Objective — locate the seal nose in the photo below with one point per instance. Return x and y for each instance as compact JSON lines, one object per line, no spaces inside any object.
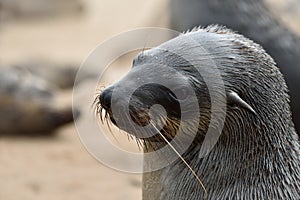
{"x":105,"y":98}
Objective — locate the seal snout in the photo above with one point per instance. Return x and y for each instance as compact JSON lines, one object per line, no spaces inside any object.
{"x":105,"y":98}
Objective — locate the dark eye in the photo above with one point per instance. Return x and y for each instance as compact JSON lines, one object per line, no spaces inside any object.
{"x":181,"y":93}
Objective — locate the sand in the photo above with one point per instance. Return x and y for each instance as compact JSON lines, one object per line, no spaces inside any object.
{"x":59,"y":167}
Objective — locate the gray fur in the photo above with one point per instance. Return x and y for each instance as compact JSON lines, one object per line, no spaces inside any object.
{"x":257,"y":155}
{"x":253,"y":19}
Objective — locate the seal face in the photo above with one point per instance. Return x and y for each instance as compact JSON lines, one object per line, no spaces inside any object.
{"x":256,"y":155}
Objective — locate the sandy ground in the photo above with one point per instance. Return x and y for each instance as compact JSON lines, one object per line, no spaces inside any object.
{"x":60,"y":167}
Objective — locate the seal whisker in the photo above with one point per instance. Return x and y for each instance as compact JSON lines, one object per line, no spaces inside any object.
{"x":198,"y":129}
{"x":108,"y":123}
{"x":184,"y":161}
{"x":137,"y":140}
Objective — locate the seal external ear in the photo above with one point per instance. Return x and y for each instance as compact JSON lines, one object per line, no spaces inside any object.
{"x":234,"y":99}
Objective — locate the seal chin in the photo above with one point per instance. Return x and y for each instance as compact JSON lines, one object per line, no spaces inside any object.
{"x":141,"y":117}
{"x":151,"y":107}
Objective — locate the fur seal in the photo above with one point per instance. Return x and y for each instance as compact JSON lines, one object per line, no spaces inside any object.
{"x":61,"y":75}
{"x":257,"y":153}
{"x":253,"y":19}
{"x":28,"y":104}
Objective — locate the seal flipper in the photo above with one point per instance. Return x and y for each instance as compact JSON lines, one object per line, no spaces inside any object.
{"x":234,"y":99}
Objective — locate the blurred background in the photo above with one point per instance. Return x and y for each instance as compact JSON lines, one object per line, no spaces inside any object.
{"x":42,"y":44}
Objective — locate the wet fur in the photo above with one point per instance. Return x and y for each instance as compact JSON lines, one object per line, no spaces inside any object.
{"x":253,"y":19}
{"x":257,"y":155}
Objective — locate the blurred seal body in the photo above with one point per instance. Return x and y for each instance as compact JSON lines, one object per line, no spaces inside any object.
{"x":257,"y":153}
{"x":253,"y":19}
{"x":28,"y":104}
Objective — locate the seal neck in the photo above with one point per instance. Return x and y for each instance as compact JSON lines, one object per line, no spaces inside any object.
{"x":252,"y":163}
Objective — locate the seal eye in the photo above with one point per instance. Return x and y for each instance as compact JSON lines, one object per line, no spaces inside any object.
{"x":181,"y":93}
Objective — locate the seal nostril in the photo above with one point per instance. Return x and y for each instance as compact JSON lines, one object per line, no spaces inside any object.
{"x":105,"y":98}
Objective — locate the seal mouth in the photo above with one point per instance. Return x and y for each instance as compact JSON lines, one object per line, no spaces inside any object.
{"x":103,"y":110}
{"x":105,"y":114}
{"x":139,"y":115}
